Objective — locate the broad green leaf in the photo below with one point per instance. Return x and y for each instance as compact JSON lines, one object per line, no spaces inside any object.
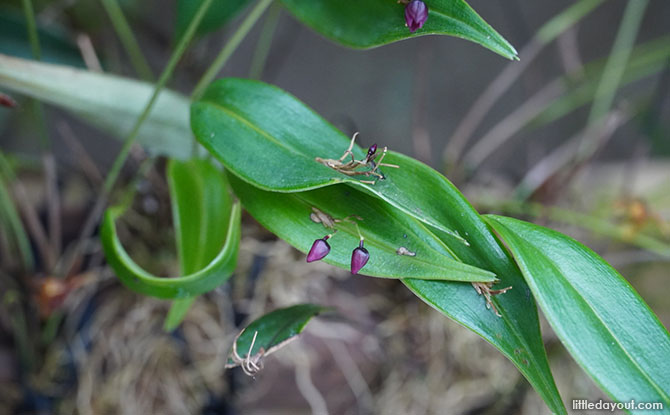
{"x":284,"y":136}
{"x":201,"y":205}
{"x":55,"y":45}
{"x":370,"y":23}
{"x":384,"y":228}
{"x":109,"y":102}
{"x":247,"y":124}
{"x":601,"y":320}
{"x":202,"y":281}
{"x":517,"y":333}
{"x":217,"y":15}
{"x":274,"y":330}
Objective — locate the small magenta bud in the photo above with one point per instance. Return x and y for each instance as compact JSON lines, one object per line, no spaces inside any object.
{"x":319,"y":250}
{"x":359,"y":258}
{"x":372,"y":150}
{"x":416,"y":14}
{"x":7,"y":101}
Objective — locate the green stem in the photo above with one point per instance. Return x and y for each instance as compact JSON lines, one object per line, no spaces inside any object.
{"x":177,"y":312}
{"x":12,"y":303}
{"x":32,"y":29}
{"x":565,"y":20}
{"x":37,"y":109}
{"x":114,"y":171}
{"x":612,"y":73}
{"x":264,"y":42}
{"x":125,"y":34}
{"x":502,"y":83}
{"x":14,"y":227}
{"x":618,"y":59}
{"x":229,"y":48}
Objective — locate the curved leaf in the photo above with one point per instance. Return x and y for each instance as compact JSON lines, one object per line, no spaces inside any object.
{"x":109,"y":102}
{"x":201,"y":205}
{"x":370,"y":23}
{"x":274,"y":330}
{"x":217,"y":15}
{"x":248,"y":124}
{"x":385,"y":230}
{"x":601,"y":320}
{"x":135,"y":278}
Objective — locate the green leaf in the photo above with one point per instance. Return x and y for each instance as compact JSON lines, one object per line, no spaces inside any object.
{"x":274,"y":330}
{"x":248,"y":124}
{"x":601,"y":320}
{"x":220,"y":12}
{"x":109,"y":102}
{"x":385,"y":230}
{"x":284,"y":136}
{"x":201,"y":205}
{"x":138,"y":280}
{"x":370,"y":23}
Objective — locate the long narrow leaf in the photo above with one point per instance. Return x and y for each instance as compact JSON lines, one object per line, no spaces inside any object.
{"x":201,"y":205}
{"x":384,"y":228}
{"x":598,"y":316}
{"x":109,"y":102}
{"x":370,"y":23}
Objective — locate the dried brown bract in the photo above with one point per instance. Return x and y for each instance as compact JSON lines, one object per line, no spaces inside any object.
{"x":349,"y":168}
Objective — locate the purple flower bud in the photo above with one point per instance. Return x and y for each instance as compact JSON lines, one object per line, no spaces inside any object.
{"x":416,"y":14}
{"x":319,"y":250}
{"x":359,"y":258}
{"x":371,"y":151}
{"x":7,"y":101}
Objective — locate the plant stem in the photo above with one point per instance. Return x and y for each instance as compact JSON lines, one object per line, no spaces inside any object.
{"x":128,"y":39}
{"x":229,"y":48}
{"x":11,"y":301}
{"x":32,"y":29}
{"x":113,"y":174}
{"x":264,"y":42}
{"x":38,"y":110}
{"x":547,"y":33}
{"x":618,"y":59}
{"x":9,"y":217}
{"x":613,"y":72}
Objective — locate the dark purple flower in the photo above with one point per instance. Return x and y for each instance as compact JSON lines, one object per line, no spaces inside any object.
{"x":319,"y":250}
{"x":371,"y":151}
{"x":416,"y":14}
{"x":359,"y":258}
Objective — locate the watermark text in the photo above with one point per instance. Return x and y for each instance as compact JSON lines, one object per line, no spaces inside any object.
{"x":600,"y":405}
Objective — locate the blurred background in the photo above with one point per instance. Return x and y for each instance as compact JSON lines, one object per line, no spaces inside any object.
{"x":552,"y":138}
